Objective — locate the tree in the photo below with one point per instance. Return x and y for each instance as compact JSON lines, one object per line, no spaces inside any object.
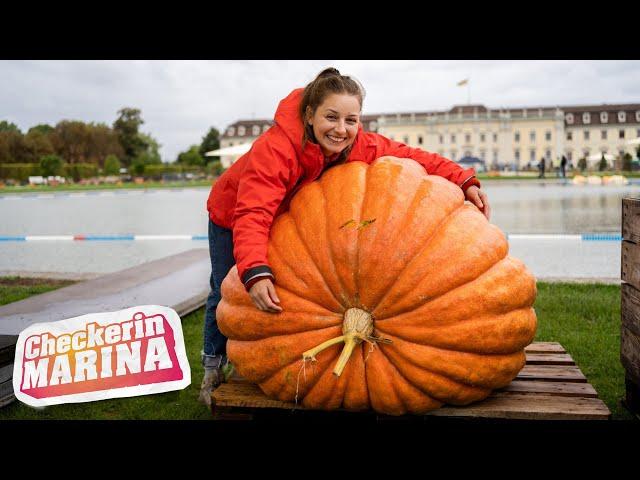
{"x":152,"y":151}
{"x":626,"y":162}
{"x":71,"y":141}
{"x":211,"y":141}
{"x":602,"y":166}
{"x":9,"y":127}
{"x":582,"y":164}
{"x":126,"y":126}
{"x":51,"y":165}
{"x":12,"y":147}
{"x":191,"y":157}
{"x":102,"y":142}
{"x":111,"y":165}
{"x":42,"y":128}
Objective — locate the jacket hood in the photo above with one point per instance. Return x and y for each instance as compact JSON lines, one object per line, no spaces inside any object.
{"x":288,"y":119}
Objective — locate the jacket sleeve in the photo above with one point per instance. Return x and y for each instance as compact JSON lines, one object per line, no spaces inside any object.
{"x":433,"y":163}
{"x":261,"y":190}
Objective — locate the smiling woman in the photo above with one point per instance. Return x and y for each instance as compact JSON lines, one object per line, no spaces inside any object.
{"x":315,"y":127}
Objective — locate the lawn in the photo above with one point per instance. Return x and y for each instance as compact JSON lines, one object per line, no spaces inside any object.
{"x":584,"y":318}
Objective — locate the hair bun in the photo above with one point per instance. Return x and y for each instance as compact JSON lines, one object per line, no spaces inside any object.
{"x":329,"y":72}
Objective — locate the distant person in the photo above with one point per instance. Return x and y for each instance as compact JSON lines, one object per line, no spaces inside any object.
{"x":315,"y":127}
{"x":541,"y":166}
{"x":563,"y":167}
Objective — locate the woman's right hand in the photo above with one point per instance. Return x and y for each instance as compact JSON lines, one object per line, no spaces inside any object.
{"x":263,"y":294}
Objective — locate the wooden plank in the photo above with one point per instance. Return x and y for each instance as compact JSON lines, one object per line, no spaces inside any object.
{"x":549,"y":359}
{"x":631,"y":219}
{"x":512,"y":405}
{"x":544,"y":347}
{"x":552,"y":373}
{"x":631,"y":308}
{"x":630,"y":353}
{"x":245,"y":395}
{"x":530,"y":407}
{"x":630,"y":263}
{"x":565,"y":389}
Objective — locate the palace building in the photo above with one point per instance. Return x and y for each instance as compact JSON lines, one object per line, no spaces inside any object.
{"x":513,"y":138}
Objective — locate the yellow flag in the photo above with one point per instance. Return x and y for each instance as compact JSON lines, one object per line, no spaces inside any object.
{"x":463,"y":82}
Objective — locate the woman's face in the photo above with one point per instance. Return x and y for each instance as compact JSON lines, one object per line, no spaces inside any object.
{"x":335,"y":123}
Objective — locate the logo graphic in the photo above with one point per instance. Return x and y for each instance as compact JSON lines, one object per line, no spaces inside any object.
{"x":131,"y":352}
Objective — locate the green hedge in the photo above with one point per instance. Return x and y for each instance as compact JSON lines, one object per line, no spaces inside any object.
{"x":78,"y":171}
{"x":19,"y":171}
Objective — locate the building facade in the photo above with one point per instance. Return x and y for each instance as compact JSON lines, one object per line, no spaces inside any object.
{"x":513,"y":138}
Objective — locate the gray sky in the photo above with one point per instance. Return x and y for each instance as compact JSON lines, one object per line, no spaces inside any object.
{"x":181,"y":99}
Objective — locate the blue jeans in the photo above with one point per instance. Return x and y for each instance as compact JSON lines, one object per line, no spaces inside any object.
{"x":221,"y":252}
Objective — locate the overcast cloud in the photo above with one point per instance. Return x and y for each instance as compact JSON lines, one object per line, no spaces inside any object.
{"x":181,"y":100}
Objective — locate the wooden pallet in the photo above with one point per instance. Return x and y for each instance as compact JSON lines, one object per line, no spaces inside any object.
{"x":549,"y":387}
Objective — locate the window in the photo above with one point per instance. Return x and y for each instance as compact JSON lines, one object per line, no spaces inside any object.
{"x":241,"y":130}
{"x":638,"y":116}
{"x":495,"y":156}
{"x":482,"y":154}
{"x":231,"y":131}
{"x":453,"y":139}
{"x":620,"y":133}
{"x":419,"y":139}
{"x":586,"y":152}
{"x":467,"y":153}
{"x":495,"y":137}
{"x":547,"y":154}
{"x":532,"y":135}
{"x":604,"y":117}
{"x":622,"y":117}
{"x":517,"y":137}
{"x":453,"y":155}
{"x":603,"y":134}
{"x":405,"y":139}
{"x":532,"y":155}
{"x":570,"y":155}
{"x":255,"y":130}
{"x":547,"y":136}
{"x":517,"y":155}
{"x":638,"y":133}
{"x":467,"y":138}
{"x":482,"y":137}
{"x":586,"y":117}
{"x":569,"y":118}
{"x":265,"y":127}
{"x":441,"y":139}
{"x":586,"y":134}
{"x":569,"y":135}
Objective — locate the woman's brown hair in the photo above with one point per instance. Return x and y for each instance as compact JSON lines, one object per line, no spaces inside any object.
{"x":327,"y":82}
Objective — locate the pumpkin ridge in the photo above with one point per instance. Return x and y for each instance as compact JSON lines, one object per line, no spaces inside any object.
{"x":400,"y":231}
{"x":455,"y":375}
{"x":487,"y":318}
{"x":329,"y":249}
{"x":306,"y":247}
{"x":415,"y":306}
{"x":401,"y":375}
{"x":441,"y":376}
{"x":454,"y":290}
{"x":426,"y":244}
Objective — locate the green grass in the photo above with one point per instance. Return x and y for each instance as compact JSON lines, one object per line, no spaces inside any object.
{"x":584,"y":318}
{"x":13,"y":289}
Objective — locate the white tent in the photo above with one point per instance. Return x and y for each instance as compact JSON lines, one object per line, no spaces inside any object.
{"x":633,"y":141}
{"x":229,"y":154}
{"x":233,"y":151}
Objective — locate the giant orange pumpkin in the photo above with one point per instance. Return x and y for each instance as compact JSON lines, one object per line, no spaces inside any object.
{"x":396,"y":295}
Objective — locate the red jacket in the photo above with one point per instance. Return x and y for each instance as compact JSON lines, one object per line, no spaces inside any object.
{"x":259,"y":186}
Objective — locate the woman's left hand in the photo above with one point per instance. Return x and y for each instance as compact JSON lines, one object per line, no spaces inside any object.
{"x":479,"y":199}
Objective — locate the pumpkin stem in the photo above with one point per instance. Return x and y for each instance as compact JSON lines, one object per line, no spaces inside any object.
{"x":356,"y":327}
